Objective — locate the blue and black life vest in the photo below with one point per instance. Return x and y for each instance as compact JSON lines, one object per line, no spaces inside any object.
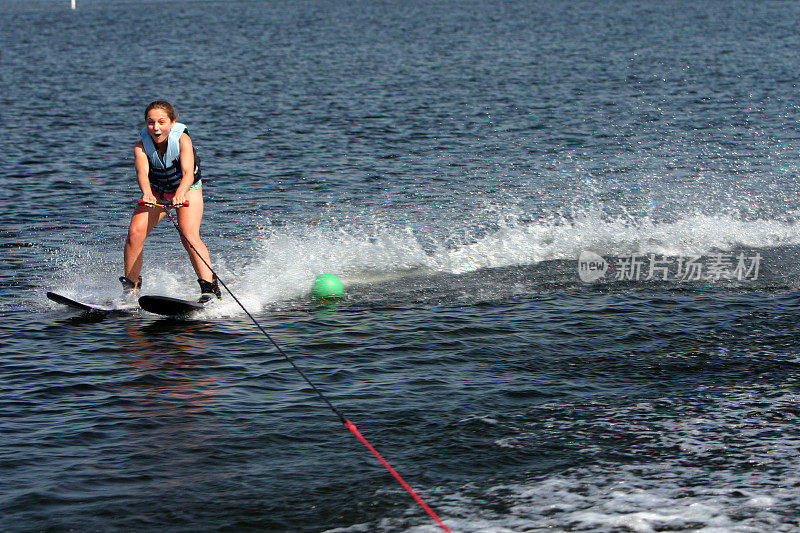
{"x":166,"y":174}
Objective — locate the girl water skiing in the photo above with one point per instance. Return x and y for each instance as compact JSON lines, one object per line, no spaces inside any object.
{"x":168,"y":171}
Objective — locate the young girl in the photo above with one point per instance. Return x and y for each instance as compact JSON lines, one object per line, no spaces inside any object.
{"x":168,"y":171}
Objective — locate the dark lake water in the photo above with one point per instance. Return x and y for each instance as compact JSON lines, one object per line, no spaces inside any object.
{"x":450,"y":161}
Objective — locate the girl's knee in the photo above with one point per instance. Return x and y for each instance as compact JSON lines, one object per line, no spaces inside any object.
{"x":137,"y":234}
{"x":189,"y":240}
{"x":190,"y":229}
{"x":193,"y":234}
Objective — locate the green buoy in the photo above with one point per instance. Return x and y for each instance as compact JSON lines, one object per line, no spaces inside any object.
{"x":327,"y":286}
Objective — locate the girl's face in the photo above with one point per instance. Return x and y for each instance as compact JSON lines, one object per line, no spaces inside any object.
{"x":158,"y":125}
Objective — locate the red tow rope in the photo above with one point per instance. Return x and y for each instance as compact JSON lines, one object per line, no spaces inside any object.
{"x":349,"y":425}
{"x":397,"y":476}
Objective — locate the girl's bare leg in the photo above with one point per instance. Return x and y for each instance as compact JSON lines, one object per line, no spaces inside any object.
{"x":189,"y":219}
{"x":143,"y":221}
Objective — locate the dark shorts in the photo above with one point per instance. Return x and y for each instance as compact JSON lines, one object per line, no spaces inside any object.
{"x":168,"y":196}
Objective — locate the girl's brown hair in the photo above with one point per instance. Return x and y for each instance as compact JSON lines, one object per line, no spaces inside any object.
{"x":162,"y":104}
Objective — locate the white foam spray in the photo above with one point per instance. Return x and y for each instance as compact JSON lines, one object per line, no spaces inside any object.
{"x":281,"y":262}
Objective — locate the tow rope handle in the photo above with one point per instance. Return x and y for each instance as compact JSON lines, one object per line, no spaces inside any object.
{"x":162,"y":206}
